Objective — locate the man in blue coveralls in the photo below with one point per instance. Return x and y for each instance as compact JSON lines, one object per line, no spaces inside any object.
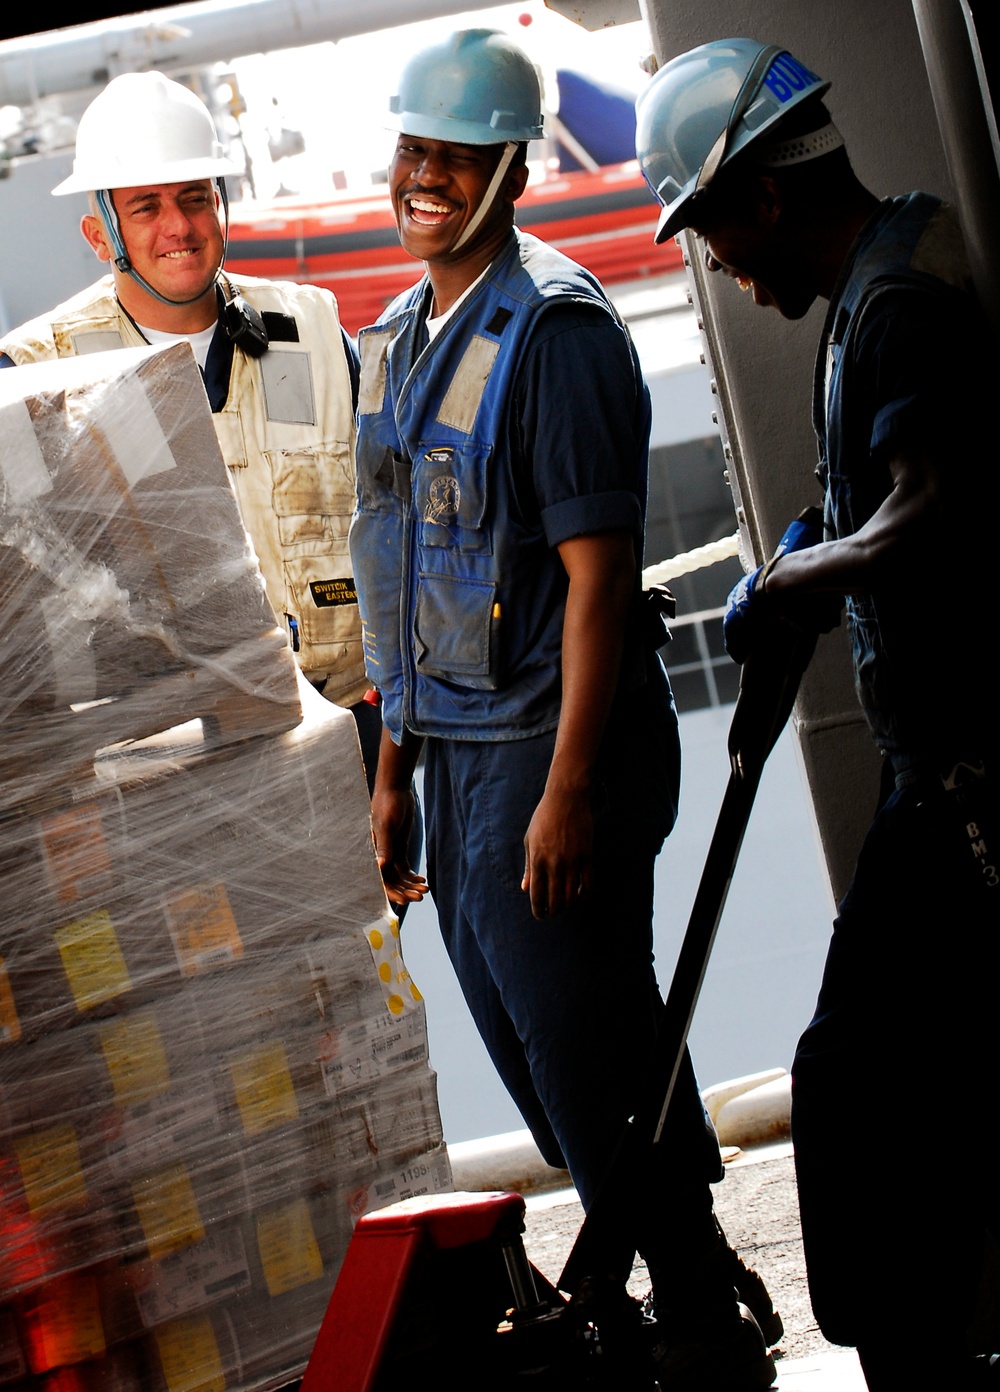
{"x":737,"y":144}
{"x":497,"y":542}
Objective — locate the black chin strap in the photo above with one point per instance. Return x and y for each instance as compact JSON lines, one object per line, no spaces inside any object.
{"x":744,"y":97}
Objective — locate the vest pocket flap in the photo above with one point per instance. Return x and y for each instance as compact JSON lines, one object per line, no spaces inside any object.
{"x":450,"y":492}
{"x":317,"y":481}
{"x":324,"y":599}
{"x":454,"y":627}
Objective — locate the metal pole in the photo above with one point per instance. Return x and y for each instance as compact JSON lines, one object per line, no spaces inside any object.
{"x":962,"y":103}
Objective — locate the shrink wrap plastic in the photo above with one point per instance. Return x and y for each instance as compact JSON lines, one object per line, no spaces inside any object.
{"x":212,"y":1059}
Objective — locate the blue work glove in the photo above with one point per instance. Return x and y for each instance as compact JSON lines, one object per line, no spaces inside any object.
{"x":746,"y":608}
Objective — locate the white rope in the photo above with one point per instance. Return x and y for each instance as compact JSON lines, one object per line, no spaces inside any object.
{"x":687,"y":561}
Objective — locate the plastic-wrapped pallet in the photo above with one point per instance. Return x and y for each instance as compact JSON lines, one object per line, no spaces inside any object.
{"x":212,"y":1059}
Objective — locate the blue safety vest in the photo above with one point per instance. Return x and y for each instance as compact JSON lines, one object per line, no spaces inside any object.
{"x":462,"y":636}
{"x":913,"y":241}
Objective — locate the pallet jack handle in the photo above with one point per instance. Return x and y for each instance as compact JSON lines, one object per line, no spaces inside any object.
{"x":769,"y":683}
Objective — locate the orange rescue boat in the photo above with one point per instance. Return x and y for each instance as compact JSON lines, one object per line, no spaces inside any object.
{"x":604,"y":219}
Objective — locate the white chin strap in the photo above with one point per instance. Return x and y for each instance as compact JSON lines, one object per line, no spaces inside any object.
{"x":489,"y":197}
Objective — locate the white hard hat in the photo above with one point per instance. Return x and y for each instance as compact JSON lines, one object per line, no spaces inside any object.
{"x":144,"y":128}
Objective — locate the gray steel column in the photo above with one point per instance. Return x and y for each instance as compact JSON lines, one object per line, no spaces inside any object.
{"x":968,"y":127}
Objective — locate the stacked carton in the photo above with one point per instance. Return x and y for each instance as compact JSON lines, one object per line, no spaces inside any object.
{"x":212,"y":1060}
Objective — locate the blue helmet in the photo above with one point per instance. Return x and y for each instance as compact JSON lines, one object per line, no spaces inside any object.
{"x":707,"y":106}
{"x":475,"y":88}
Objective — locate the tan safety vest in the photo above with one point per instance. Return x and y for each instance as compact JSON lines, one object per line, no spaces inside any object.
{"x":287,"y":435}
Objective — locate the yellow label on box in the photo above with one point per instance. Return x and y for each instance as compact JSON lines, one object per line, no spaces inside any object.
{"x":75,"y":851}
{"x":92,"y":959}
{"x":264,"y":1090}
{"x":67,"y":1321}
{"x":203,"y":928}
{"x":288,"y":1249}
{"x":10,"y":1025}
{"x":189,"y":1356}
{"x":168,"y":1210}
{"x":50,"y":1169}
{"x":135,"y":1057}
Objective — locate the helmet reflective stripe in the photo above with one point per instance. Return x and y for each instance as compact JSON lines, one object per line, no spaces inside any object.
{"x":144,"y":128}
{"x":475,"y":88}
{"x":707,"y":106}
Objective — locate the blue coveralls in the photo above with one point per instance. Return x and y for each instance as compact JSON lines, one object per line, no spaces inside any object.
{"x":462,"y":596}
{"x":900,"y":1052}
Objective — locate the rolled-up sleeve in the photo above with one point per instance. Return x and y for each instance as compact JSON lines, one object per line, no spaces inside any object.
{"x":596,"y":512}
{"x":583,"y":425}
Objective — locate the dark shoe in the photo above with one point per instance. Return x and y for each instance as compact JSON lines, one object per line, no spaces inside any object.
{"x":726,"y":1357}
{"x":750,"y":1289}
{"x":752,"y":1292}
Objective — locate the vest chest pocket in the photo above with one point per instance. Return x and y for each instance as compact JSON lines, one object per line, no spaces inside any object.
{"x":309,"y":487}
{"x":456,"y":629}
{"x":450,"y":496}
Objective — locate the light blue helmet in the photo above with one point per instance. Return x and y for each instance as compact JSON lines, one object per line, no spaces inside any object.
{"x":705,"y":107}
{"x":475,"y":88}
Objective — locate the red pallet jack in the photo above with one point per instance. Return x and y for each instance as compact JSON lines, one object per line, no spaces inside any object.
{"x":409,"y":1265}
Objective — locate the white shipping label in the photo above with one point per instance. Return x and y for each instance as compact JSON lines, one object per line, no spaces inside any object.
{"x":427,"y":1174}
{"x":366,"y":1050}
{"x":151,"y":1130}
{"x":186,"y":1281}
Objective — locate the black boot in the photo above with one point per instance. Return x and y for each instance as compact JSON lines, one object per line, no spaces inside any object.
{"x":718,"y":1352}
{"x":752,"y":1292}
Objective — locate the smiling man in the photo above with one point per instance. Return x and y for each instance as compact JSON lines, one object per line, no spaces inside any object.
{"x":279,"y":372}
{"x":738,"y":146}
{"x":502,"y":459}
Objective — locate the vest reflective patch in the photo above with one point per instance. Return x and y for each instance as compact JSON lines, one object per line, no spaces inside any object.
{"x":97,"y":341}
{"x":461,"y":401}
{"x":288,"y":387}
{"x":229,"y":432}
{"x":941,"y":250}
{"x":374,"y":352}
